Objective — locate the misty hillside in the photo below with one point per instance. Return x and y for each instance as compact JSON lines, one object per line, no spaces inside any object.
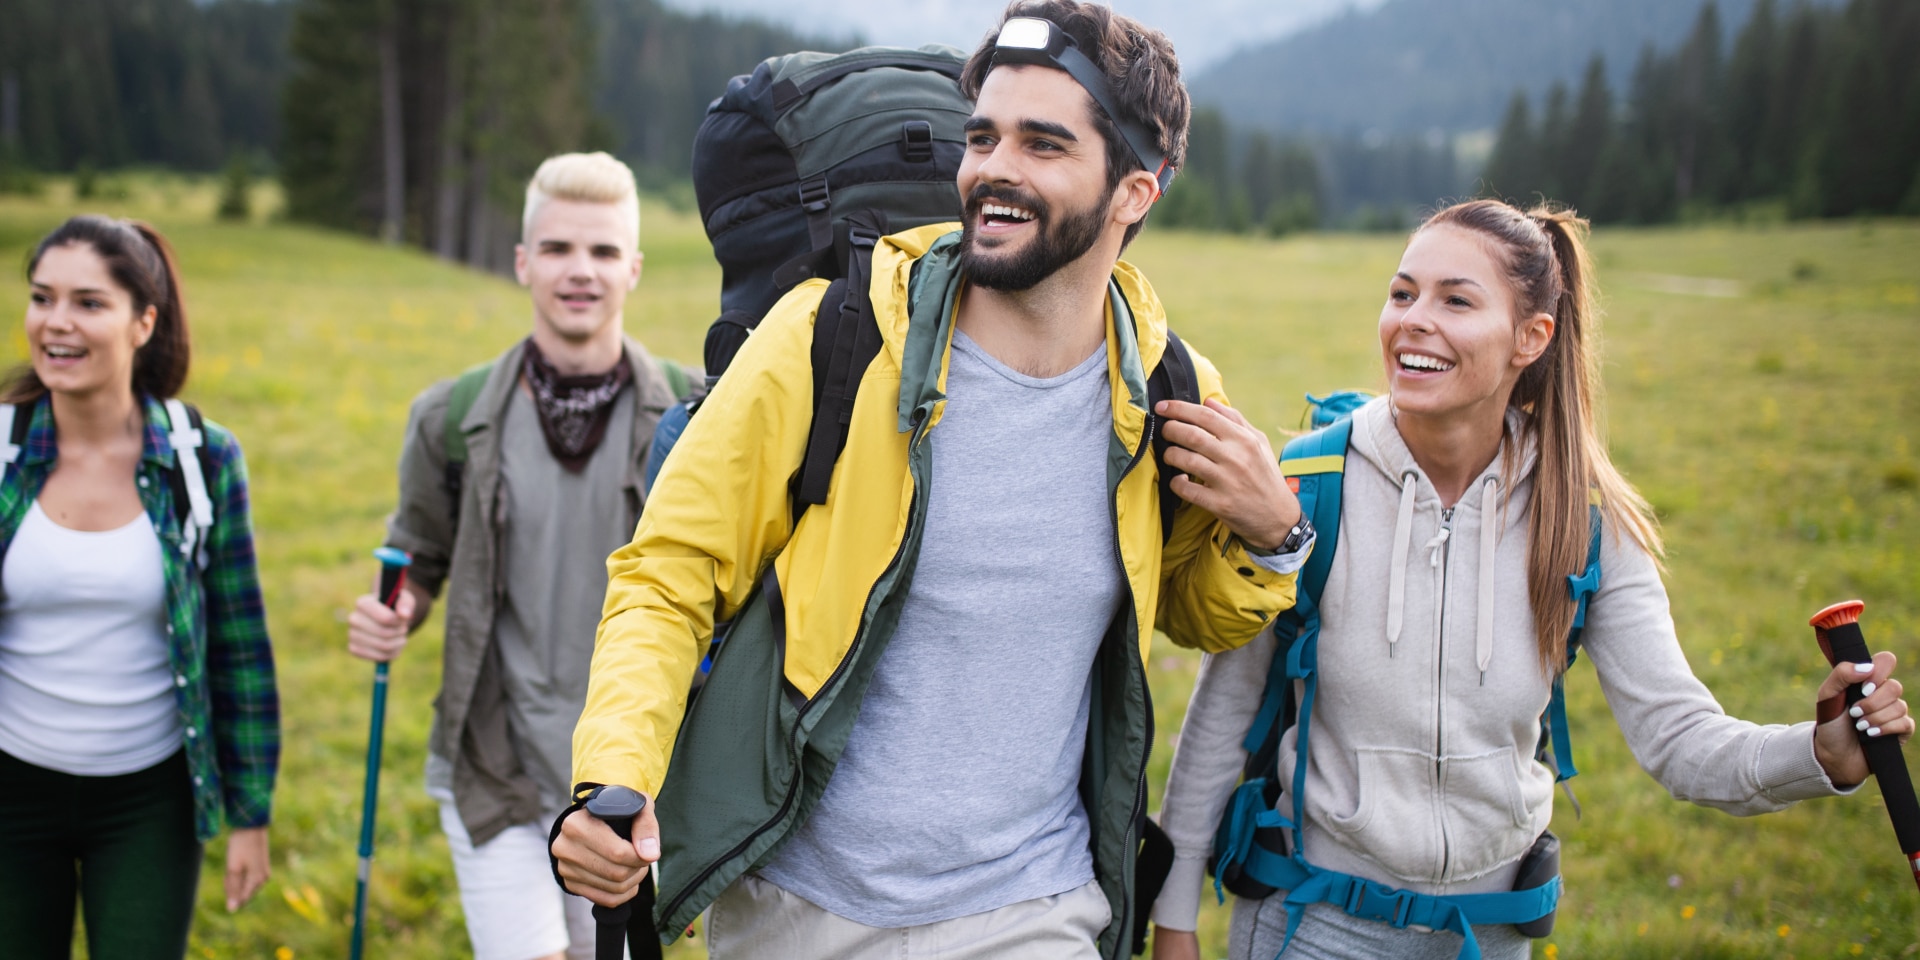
{"x":1412,"y":66}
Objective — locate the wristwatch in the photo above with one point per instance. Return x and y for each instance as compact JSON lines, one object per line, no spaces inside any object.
{"x":1296,"y":538}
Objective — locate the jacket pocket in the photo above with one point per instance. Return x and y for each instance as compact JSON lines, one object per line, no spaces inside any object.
{"x":1486,"y":819}
{"x":1395,"y":821}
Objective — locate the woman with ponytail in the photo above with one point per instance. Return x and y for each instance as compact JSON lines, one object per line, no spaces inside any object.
{"x":137,"y":700}
{"x":1444,"y":623}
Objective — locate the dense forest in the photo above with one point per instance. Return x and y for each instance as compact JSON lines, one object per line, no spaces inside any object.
{"x":1815,"y":112}
{"x":107,"y":83}
{"x":421,"y":119}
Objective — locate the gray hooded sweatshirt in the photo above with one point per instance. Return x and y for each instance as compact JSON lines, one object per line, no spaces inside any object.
{"x":1420,"y":771}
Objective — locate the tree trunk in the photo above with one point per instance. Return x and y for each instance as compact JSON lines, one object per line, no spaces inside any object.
{"x":447,"y":204}
{"x":393,"y":149}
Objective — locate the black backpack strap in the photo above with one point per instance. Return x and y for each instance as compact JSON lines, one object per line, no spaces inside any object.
{"x":1150,"y":871}
{"x":1172,"y":379}
{"x":846,"y":338}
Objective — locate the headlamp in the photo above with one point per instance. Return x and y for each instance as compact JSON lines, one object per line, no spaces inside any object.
{"x":1031,"y":40}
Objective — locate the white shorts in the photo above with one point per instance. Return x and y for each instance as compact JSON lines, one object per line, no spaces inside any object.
{"x":514,"y":909}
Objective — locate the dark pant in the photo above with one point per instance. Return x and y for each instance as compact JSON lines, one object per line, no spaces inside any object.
{"x":125,"y":844}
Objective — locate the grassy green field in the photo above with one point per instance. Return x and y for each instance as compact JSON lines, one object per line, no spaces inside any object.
{"x":1765,"y":395}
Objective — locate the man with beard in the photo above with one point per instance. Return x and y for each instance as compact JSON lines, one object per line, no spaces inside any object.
{"x":928,"y":729}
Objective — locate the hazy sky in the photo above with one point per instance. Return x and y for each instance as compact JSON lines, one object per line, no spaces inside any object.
{"x":1202,"y":30}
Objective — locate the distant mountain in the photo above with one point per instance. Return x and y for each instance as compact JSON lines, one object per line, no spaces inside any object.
{"x":1413,"y":66}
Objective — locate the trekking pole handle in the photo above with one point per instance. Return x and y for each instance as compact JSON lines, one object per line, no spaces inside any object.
{"x":615,"y":806}
{"x":1838,"y":629}
{"x":393,"y":574}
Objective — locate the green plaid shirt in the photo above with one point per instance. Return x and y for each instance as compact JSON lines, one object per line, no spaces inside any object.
{"x":221,"y":657}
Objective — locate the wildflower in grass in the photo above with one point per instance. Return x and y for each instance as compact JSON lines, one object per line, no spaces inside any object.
{"x":1641,"y":931}
{"x":283,"y":953}
{"x":1686,"y":912}
{"x":1553,"y":951}
{"x":1784,"y":930}
{"x":1857,"y":949}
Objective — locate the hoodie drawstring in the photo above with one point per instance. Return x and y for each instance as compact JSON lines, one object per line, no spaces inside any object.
{"x":1397,"y":575}
{"x":1490,"y":523}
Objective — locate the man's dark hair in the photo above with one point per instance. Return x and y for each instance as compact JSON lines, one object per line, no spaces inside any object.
{"x":1140,"y":67}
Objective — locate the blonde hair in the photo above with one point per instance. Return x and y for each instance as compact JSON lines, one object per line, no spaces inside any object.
{"x":1547,"y":264}
{"x":583,"y":178}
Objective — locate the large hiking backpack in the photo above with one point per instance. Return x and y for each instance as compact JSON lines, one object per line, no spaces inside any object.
{"x":1258,"y":850}
{"x":187,"y":477}
{"x":785,"y":164}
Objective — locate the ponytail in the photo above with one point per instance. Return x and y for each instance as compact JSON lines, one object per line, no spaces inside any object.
{"x":1558,"y":396}
{"x":142,"y":263}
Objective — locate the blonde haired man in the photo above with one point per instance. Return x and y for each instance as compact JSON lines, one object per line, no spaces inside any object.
{"x":517,"y":479}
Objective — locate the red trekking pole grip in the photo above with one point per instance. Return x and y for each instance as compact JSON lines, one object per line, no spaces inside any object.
{"x":1838,"y":630}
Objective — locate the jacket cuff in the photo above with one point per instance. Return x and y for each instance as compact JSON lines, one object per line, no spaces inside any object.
{"x":1178,"y":907}
{"x":1789,"y":772}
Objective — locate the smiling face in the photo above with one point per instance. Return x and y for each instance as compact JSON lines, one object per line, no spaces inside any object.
{"x":81,"y":326}
{"x":1034,"y":180}
{"x":1449,"y":338}
{"x":579,"y":261}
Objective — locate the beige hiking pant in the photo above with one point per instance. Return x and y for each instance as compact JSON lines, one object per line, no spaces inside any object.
{"x":756,"y":920}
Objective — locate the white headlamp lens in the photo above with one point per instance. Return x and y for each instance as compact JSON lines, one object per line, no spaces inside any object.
{"x":1025,"y":33}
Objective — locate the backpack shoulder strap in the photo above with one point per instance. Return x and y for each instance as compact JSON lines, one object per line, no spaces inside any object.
{"x":1315,"y":467}
{"x":677,"y":379}
{"x":466,"y":391}
{"x":188,"y":476}
{"x":1553,"y":723}
{"x":1172,"y":379}
{"x":14,"y":420}
{"x":846,"y":338}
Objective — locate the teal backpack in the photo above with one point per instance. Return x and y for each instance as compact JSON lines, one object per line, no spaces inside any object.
{"x":1257,"y":849}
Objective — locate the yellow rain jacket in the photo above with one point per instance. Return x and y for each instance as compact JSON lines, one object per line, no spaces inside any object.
{"x":812,"y":605}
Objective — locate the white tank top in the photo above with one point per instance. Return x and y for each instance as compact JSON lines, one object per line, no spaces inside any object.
{"x":86,"y":683}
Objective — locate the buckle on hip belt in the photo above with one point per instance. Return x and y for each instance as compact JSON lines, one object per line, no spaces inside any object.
{"x":1379,"y":902}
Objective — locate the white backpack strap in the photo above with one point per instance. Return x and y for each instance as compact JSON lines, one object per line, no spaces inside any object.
{"x":9,"y":451}
{"x":186,"y":442}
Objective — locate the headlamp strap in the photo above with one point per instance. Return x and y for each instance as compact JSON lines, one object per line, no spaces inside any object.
{"x":1062,"y":53}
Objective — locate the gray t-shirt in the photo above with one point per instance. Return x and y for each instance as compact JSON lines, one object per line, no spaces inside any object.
{"x":559,"y":528}
{"x":958,"y":792}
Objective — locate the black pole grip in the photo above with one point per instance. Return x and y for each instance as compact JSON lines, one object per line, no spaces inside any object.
{"x":1884,"y":756}
{"x":617,"y":806}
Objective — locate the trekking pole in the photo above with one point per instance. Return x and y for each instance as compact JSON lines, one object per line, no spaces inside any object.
{"x":393,"y":576}
{"x":1838,"y":629}
{"x":616,"y":807}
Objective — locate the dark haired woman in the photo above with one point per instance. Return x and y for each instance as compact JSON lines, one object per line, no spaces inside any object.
{"x":1445,"y":618}
{"x":137,"y":698}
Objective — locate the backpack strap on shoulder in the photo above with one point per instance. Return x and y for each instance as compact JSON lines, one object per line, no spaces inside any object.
{"x":1554,"y":722}
{"x":846,"y":338}
{"x":14,"y":419}
{"x":677,"y":379}
{"x":460,"y":400}
{"x":1172,"y":379}
{"x":188,"y":440}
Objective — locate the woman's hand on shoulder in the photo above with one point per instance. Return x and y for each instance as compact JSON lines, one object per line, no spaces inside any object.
{"x":1881,"y":713}
{"x":1175,"y":944}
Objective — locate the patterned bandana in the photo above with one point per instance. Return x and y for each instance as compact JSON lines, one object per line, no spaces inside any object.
{"x":573,"y":410}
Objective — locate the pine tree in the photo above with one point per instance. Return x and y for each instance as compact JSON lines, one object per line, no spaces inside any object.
{"x":1587,"y":135}
{"x":1513,"y":168}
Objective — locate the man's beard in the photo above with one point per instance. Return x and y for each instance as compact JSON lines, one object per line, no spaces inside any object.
{"x":1054,"y":245}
